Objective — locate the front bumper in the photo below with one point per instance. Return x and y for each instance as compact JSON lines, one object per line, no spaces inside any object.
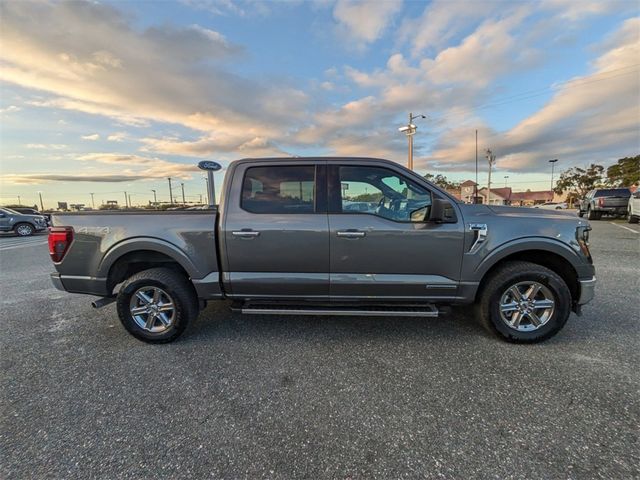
{"x":587,"y":290}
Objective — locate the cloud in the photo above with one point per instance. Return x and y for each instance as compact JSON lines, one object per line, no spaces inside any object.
{"x":591,"y":118}
{"x":45,"y":146}
{"x":103,"y":65}
{"x":39,"y":178}
{"x":10,"y":109}
{"x":362,"y":21}
{"x":93,"y":137}
{"x":117,"y":137}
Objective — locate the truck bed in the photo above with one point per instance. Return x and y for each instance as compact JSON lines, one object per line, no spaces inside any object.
{"x":102,"y":238}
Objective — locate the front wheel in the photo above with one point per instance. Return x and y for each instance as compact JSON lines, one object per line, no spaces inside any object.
{"x":524,"y":302}
{"x":580,"y":213}
{"x":156,"y":305}
{"x":631,"y":218}
{"x":24,"y":229}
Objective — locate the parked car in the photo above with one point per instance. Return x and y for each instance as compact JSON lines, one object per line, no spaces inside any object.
{"x":32,"y":211}
{"x":633,"y":207}
{"x":553,"y":206}
{"x":612,"y":201}
{"x":282,"y":242}
{"x":20,"y":223}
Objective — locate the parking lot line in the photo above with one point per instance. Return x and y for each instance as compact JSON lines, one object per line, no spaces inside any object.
{"x":626,"y":228}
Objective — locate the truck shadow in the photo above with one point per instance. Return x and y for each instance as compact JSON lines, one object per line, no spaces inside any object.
{"x":218,"y":321}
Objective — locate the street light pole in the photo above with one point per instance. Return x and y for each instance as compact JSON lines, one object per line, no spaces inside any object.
{"x":126,"y":200}
{"x":410,"y":130}
{"x":41,"y":204}
{"x":505,"y":180}
{"x":170,"y":191}
{"x":93,"y":204}
{"x":183,"y":200}
{"x":155,"y":199}
{"x":553,"y":163}
{"x":491,"y":158}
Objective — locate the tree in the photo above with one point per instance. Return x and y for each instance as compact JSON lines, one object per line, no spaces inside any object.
{"x":442,"y":181}
{"x":579,"y":181}
{"x":624,"y":173}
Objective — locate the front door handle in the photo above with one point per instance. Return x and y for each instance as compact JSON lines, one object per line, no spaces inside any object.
{"x":350,"y":233}
{"x":245,"y":233}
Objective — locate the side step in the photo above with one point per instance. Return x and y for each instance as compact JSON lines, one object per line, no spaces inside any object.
{"x":426,"y":310}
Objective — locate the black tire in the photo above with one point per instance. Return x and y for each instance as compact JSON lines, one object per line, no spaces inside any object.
{"x":512,"y":273}
{"x":631,"y":218}
{"x":591,"y":215}
{"x":178,"y":290}
{"x":580,"y":213}
{"x":24,"y":229}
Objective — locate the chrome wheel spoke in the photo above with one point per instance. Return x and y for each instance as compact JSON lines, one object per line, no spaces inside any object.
{"x":139,"y":310}
{"x":515,"y":293}
{"x":515,"y":319}
{"x":535,"y":320}
{"x":509,"y":307}
{"x":143,"y":296}
{"x":532,"y":291}
{"x":164,"y":319}
{"x":151,"y":320}
{"x":165,"y":307}
{"x":156,"y":295}
{"x":543,"y":304}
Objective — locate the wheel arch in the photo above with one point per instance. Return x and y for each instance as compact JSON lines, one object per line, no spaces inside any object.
{"x":553,"y":256}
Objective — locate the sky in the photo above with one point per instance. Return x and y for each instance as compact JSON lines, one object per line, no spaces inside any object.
{"x":113,"y":97}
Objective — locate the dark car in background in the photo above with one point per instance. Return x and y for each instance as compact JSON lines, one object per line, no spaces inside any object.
{"x":21,"y":224}
{"x":32,"y":211}
{"x":610,"y":201}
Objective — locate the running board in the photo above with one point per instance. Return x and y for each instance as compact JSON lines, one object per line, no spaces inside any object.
{"x":375,"y":311}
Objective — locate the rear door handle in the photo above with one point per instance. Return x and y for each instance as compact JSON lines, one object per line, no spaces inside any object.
{"x":245,"y":233}
{"x":350,"y":233}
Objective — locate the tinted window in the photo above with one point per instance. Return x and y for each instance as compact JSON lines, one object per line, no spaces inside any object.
{"x":279,"y":189}
{"x":613,"y":192}
{"x":382,"y":192}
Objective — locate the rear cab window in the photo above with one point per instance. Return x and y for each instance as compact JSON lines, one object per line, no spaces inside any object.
{"x":613,"y":192}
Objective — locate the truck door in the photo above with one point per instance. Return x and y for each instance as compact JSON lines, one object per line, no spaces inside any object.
{"x":388,"y":250}
{"x":276,"y":231}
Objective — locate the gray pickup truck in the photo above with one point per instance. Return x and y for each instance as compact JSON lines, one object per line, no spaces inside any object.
{"x":604,"y":201}
{"x":285,"y":240}
{"x":21,"y":224}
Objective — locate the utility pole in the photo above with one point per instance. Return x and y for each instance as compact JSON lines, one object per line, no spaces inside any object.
{"x":41,"y":204}
{"x":19,"y":200}
{"x":93,"y":204}
{"x":475,"y":187}
{"x":130,"y":204}
{"x":200,"y":198}
{"x":553,"y":163}
{"x":410,"y":130}
{"x":183,"y":200}
{"x":491,"y":158}
{"x":155,"y":199}
{"x":170,"y":191}
{"x":126,"y":200}
{"x":505,"y":180}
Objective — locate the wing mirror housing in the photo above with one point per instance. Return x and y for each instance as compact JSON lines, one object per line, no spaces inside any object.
{"x":442,"y":212}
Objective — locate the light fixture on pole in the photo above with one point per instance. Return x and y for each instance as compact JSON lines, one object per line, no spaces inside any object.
{"x":553,"y":163}
{"x":155,"y":199}
{"x":41,"y":204}
{"x":183,"y":200}
{"x":505,"y":180}
{"x":93,"y":204}
{"x":410,"y":130}
{"x":491,"y":158}
{"x":170,"y":192}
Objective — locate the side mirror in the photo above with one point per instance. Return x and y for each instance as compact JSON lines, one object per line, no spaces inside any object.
{"x":442,"y":212}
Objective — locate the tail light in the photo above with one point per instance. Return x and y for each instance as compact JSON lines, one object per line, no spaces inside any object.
{"x":601,"y":202}
{"x":60,"y":239}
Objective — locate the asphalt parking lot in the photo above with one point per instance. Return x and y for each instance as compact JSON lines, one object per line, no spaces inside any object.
{"x":282,"y":397}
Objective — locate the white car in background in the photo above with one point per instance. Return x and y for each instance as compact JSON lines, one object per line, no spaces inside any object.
{"x":553,"y":206}
{"x":633,"y":209}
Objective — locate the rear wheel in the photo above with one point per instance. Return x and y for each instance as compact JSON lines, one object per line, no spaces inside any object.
{"x":24,"y":229}
{"x":631,"y":218}
{"x":524,"y":302}
{"x":156,"y":305}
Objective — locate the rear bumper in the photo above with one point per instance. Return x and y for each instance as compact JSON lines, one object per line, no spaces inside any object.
{"x":75,"y":284}
{"x":587,"y":290}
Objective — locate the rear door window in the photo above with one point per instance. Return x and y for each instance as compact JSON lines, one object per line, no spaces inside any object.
{"x":279,"y":189}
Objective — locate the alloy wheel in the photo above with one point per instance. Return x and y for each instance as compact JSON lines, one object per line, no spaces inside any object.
{"x":152,"y":309}
{"x":527,"y":306}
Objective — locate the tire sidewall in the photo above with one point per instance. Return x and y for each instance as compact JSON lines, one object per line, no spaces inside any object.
{"x":181,"y":312}
{"x":562,"y":298}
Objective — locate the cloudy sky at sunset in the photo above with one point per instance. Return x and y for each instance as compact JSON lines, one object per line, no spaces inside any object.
{"x":107,"y":97}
